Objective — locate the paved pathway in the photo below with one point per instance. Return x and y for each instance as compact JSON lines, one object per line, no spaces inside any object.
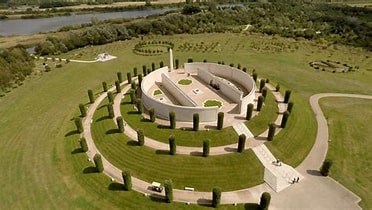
{"x":315,"y":192}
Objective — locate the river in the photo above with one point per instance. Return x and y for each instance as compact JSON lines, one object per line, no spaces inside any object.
{"x":33,"y":26}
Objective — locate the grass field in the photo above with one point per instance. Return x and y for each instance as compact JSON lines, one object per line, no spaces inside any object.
{"x":351,"y":144}
{"x":39,"y":170}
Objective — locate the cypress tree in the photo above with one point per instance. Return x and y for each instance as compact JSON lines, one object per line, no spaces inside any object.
{"x":270,"y":135}
{"x":140,"y":80}
{"x":190,"y":60}
{"x":260,"y":103}
{"x":83,"y":144}
{"x":277,"y":88}
{"x":172,"y":145}
{"x":206,"y":148}
{"x":110,"y":110}
{"x":287,"y":95}
{"x":104,"y":86}
{"x":168,"y":186}
{"x":127,"y":180}
{"x":216,"y":197}
{"x":324,"y":170}
{"x":241,"y":142}
{"x":254,"y":75}
{"x":244,"y":69}
{"x":264,"y":92}
{"x":135,"y":72}
{"x":129,"y":77}
{"x":205,"y":61}
{"x":290,"y":106}
{"x":177,"y":62}
{"x":132,"y":95}
{"x":79,"y":124}
{"x":172,"y":120}
{"x":265,"y":201}
{"x":120,"y":123}
{"x":120,"y":77}
{"x":91,"y":96}
{"x":98,"y":163}
{"x":195,"y":119}
{"x":83,"y":111}
{"x":110,"y":97}
{"x":133,"y":85}
{"x":220,"y":120}
{"x":152,"y":115}
{"x":140,"y":137}
{"x":284,"y":119}
{"x":139,"y":106}
{"x":117,"y":86}
{"x":262,"y":84}
{"x":161,"y":64}
{"x":153,"y":66}
{"x":144,"y":70}
{"x":249,"y":113}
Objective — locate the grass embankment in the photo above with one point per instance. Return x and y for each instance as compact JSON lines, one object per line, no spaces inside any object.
{"x":184,"y":170}
{"x":350,"y":144}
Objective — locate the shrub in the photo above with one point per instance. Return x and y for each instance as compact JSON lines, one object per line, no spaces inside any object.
{"x":140,"y":80}
{"x":129,"y":77}
{"x":79,"y":124}
{"x":104,"y":85}
{"x":220,"y":120}
{"x":287,"y":95}
{"x":324,"y":170}
{"x":120,"y":123}
{"x":83,"y":111}
{"x":254,"y":75}
{"x":264,"y":92}
{"x":206,"y":148}
{"x":110,"y":110}
{"x":91,"y":96}
{"x":239,"y":66}
{"x":144,"y":70}
{"x":132,"y":95}
{"x":195,"y":119}
{"x":267,"y":81}
{"x":284,"y":119}
{"x":244,"y":69}
{"x":190,"y":60}
{"x":205,"y":61}
{"x":133,"y":85}
{"x":83,"y":144}
{"x":98,"y":162}
{"x":172,"y":120}
{"x":277,"y":88}
{"x":135,"y":72}
{"x":153,"y":66}
{"x":110,"y":97}
{"x":168,"y":187}
{"x":120,"y":77}
{"x":231,"y":65}
{"x":161,"y":64}
{"x":152,"y":115}
{"x":177,"y":62}
{"x":241,"y":142}
{"x":172,"y":145}
{"x":127,"y":180}
{"x":216,"y":197}
{"x":265,"y":201}
{"x":249,"y":113}
{"x":290,"y":106}
{"x":262,"y":84}
{"x":117,"y":86}
{"x":140,"y":137}
{"x":271,"y":133}
{"x":139,"y":106}
{"x":260,"y":102}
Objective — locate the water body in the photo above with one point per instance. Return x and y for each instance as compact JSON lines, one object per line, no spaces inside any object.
{"x":33,"y":26}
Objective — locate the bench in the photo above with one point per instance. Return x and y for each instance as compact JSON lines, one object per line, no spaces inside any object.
{"x":189,"y":188}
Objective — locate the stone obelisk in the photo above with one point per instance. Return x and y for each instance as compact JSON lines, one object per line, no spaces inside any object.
{"x":170,"y":60}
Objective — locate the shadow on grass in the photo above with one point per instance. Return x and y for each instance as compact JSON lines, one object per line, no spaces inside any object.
{"x":103,"y":106}
{"x":116,"y":187}
{"x":70,"y":133}
{"x":157,"y":198}
{"x":132,"y":143}
{"x":251,"y":206}
{"x":314,"y":172}
{"x":162,"y":152}
{"x":133,"y":112}
{"x":77,"y":150}
{"x":163,"y":126}
{"x":145,"y":120}
{"x":102,"y":118}
{"x":90,"y":170}
{"x":204,"y":202}
{"x":112,"y":131}
{"x":126,"y":103}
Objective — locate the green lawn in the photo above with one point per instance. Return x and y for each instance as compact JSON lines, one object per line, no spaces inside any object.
{"x":185,"y":82}
{"x":184,"y":170}
{"x":350,"y":147}
{"x":210,"y":103}
{"x":39,"y":171}
{"x":157,"y":92}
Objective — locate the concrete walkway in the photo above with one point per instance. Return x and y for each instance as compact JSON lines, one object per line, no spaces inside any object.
{"x":315,"y":192}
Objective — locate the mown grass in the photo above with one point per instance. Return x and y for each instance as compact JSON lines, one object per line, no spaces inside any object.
{"x":184,"y":170}
{"x":350,"y":144}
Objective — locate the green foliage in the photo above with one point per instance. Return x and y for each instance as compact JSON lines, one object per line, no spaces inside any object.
{"x":177,"y":63}
{"x":284,"y":119}
{"x":172,"y":145}
{"x":168,"y":186}
{"x":241,"y":142}
{"x":83,"y":111}
{"x":127,"y":180}
{"x":117,"y":86}
{"x":110,"y":110}
{"x":255,"y":75}
{"x":110,"y":97}
{"x":264,"y":92}
{"x":152,"y":114}
{"x":104,"y":86}
{"x":220,"y":120}
{"x":277,"y":88}
{"x":190,"y":60}
{"x":324,"y":170}
{"x":172,"y":120}
{"x":287,"y":95}
{"x":120,"y":77}
{"x":79,"y":124}
{"x":133,"y":85}
{"x":144,"y":70}
{"x":216,"y":197}
{"x":206,"y":148}
{"x":135,"y":72}
{"x":83,"y":144}
{"x":265,"y":201}
{"x":262,"y":84}
{"x":161,"y":64}
{"x":91,"y":96}
{"x":271,"y":134}
{"x":98,"y":163}
{"x":195,"y":120}
{"x":140,"y":80}
{"x":290,"y":106}
{"x":139,"y":106}
{"x":129,"y":77}
{"x":140,"y":137}
{"x":120,"y":123}
{"x":260,"y":101}
{"x":153,"y":66}
{"x":190,"y":9}
{"x":249,"y":112}
{"x":133,"y":98}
